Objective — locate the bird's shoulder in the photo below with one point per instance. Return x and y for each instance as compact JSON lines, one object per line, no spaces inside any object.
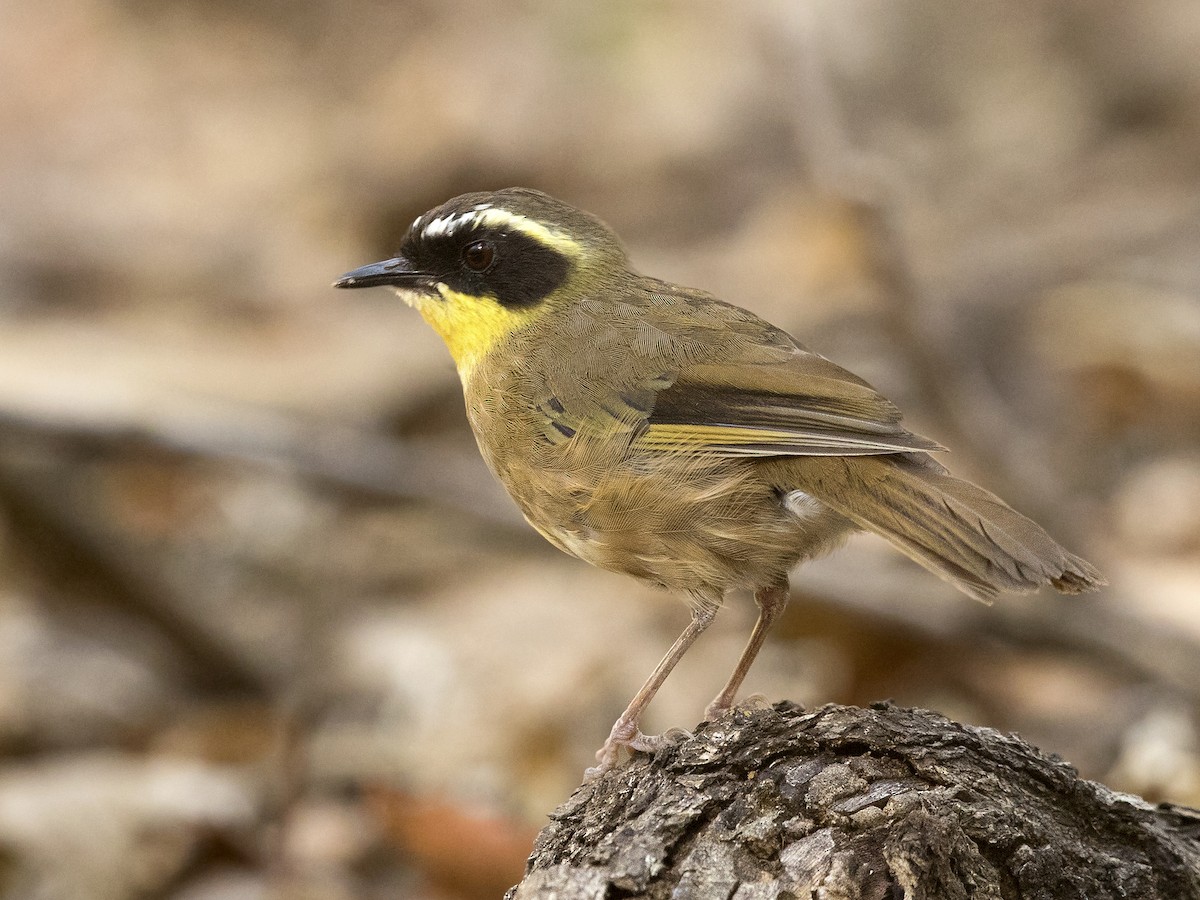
{"x":656,"y":321}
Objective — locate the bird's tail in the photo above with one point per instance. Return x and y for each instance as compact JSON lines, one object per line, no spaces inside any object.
{"x":959,"y":531}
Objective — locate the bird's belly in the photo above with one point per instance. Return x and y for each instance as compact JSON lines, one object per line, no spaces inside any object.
{"x":702,"y":528}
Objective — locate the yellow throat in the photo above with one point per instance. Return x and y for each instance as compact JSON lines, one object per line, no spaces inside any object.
{"x":470,"y":326}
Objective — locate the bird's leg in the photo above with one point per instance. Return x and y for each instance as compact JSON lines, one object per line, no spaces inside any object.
{"x":771,"y":601}
{"x":625,"y":731}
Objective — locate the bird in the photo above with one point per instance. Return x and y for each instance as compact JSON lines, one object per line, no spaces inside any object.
{"x":655,"y":430}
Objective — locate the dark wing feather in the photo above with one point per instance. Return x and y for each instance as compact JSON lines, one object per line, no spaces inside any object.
{"x":804,"y":406}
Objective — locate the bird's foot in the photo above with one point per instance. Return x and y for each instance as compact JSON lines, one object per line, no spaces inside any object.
{"x":715,"y":710}
{"x":625,"y":733}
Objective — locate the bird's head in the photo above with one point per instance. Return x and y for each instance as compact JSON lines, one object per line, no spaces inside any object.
{"x":483,"y":266}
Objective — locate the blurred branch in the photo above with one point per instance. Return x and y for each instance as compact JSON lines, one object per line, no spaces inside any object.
{"x":72,"y":551}
{"x":40,"y":455}
{"x":330,"y":454}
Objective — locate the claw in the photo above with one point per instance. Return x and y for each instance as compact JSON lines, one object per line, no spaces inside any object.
{"x":646,"y":743}
{"x":626,"y":733}
{"x":715,"y":710}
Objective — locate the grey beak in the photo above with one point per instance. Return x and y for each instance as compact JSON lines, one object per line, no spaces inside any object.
{"x":398,"y":271}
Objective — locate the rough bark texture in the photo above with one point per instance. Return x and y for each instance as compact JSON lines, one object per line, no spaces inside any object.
{"x":843,"y":802}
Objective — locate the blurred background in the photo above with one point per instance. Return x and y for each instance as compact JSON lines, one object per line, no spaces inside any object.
{"x":267,"y":626}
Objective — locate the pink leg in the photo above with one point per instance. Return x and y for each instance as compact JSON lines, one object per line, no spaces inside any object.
{"x":771,"y":601}
{"x":625,"y":731}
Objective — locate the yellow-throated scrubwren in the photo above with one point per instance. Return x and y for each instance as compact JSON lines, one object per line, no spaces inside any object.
{"x":655,"y":430}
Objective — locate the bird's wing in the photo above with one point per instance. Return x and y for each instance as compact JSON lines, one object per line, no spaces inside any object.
{"x":684,"y":371}
{"x":804,"y":406}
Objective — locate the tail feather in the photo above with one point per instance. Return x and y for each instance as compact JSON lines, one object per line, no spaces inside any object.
{"x":956,"y":529}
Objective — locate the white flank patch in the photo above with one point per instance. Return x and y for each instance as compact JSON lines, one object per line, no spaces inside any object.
{"x":802,"y":505}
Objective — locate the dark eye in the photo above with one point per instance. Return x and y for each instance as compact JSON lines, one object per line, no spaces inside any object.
{"x":478,"y":255}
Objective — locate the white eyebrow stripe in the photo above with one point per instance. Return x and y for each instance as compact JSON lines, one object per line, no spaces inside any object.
{"x":534,"y":229}
{"x":486,"y":214}
{"x":446,"y":224}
